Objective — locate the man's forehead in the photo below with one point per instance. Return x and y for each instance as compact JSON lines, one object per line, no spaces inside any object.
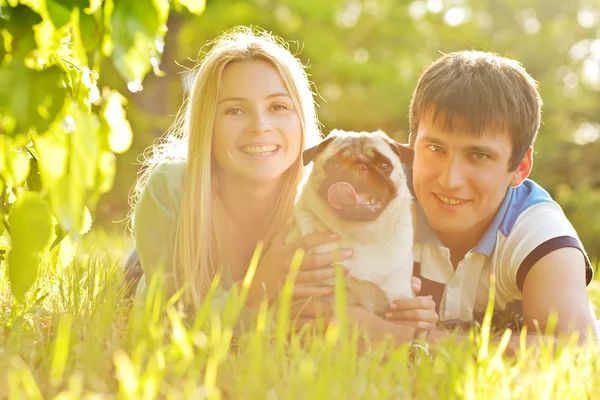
{"x":494,"y":139}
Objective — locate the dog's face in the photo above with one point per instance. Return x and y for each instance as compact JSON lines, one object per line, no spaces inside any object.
{"x":358,"y":174}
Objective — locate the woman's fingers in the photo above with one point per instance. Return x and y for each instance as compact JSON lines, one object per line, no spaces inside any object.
{"x":312,"y":309}
{"x":305,"y":292}
{"x":315,"y":239}
{"x":320,"y":260}
{"x":317,"y":275}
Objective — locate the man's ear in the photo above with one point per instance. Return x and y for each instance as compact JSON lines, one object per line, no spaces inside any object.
{"x":403,"y":151}
{"x":309,"y":154}
{"x":524,"y":168}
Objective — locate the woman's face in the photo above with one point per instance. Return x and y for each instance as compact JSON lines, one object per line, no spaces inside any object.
{"x":257,"y":132}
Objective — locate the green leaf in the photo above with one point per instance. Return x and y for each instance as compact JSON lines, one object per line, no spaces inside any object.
{"x":113,"y":114}
{"x":59,"y":13}
{"x":32,"y":98}
{"x":194,"y":6}
{"x":19,"y":165}
{"x":30,"y":222}
{"x":106,"y":172}
{"x":23,"y":265}
{"x":138,"y":30}
{"x":19,"y":22}
{"x":64,"y":253}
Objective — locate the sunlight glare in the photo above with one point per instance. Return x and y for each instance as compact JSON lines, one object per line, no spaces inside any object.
{"x":455,"y":16}
{"x":435,"y":6}
{"x":417,"y":10}
{"x":586,"y":18}
{"x":586,"y":133}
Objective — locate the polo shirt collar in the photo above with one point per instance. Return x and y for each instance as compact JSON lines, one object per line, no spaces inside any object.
{"x":426,"y":234}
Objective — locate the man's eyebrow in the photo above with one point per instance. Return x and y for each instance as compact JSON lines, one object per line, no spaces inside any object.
{"x":270,"y":96}
{"x":430,"y":139}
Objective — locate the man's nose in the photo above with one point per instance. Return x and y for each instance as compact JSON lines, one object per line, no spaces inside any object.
{"x":452,"y":175}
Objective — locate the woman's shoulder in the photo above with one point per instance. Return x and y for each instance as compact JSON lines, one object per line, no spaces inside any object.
{"x":164,"y":186}
{"x":166,"y":177}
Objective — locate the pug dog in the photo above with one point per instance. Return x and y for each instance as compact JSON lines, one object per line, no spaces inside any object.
{"x":358,"y":188}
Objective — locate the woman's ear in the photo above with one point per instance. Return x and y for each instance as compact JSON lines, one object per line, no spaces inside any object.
{"x":309,"y":154}
{"x":524,"y":168}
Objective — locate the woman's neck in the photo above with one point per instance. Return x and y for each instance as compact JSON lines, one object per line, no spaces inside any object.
{"x":248,"y":204}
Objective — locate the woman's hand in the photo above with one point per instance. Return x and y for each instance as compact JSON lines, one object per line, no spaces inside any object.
{"x":274,"y":267}
{"x":418,"y":311}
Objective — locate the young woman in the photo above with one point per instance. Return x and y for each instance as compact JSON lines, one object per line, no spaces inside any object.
{"x":226,"y":177}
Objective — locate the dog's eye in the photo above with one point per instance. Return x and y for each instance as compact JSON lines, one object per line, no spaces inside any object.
{"x":384,"y":166}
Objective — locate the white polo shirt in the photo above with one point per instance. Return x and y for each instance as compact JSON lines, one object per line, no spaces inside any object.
{"x":527,"y":226}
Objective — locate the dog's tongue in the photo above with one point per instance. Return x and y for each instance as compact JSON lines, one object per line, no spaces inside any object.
{"x":341,"y":195}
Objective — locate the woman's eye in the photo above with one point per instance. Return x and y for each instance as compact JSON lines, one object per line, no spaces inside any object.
{"x":334,"y":165}
{"x":279,"y":107}
{"x":233,"y":111}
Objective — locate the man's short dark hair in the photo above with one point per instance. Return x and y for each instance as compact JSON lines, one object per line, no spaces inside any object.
{"x":479,"y":92}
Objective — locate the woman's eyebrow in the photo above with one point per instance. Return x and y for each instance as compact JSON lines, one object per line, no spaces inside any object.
{"x":236,"y":98}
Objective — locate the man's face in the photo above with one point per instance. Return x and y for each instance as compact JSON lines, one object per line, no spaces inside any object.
{"x":460,"y":180}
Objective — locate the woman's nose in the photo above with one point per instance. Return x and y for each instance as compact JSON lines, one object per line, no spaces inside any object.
{"x":260,"y":122}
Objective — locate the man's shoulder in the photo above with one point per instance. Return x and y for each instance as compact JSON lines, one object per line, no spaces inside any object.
{"x":527,"y":202}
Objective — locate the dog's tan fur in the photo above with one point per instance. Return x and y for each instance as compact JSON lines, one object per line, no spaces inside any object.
{"x":381,"y":267}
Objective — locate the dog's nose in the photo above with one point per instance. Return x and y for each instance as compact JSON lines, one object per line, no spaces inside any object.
{"x":362,"y":167}
{"x":359,"y":170}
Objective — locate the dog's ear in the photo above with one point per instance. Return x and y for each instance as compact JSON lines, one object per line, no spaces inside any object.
{"x":403,"y":151}
{"x":309,"y":154}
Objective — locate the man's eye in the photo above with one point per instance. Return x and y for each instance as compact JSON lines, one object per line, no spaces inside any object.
{"x":480,"y":156}
{"x":434,"y":148}
{"x":233,"y":111}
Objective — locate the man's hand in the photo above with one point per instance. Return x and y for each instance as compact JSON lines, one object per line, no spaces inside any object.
{"x":418,"y":311}
{"x":314,"y":311}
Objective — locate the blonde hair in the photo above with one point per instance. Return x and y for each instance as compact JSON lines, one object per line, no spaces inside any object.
{"x":197,"y":253}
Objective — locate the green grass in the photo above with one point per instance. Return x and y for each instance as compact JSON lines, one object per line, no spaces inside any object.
{"x":77,"y":338}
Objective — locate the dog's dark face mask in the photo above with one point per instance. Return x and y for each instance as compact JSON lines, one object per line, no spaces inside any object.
{"x":358,"y":187}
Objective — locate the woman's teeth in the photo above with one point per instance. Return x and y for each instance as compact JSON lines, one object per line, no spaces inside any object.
{"x":447,"y":200}
{"x":260,"y":150}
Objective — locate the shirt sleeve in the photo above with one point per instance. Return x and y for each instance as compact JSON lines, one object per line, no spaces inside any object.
{"x":154,"y":220}
{"x":154,"y":223}
{"x":539,"y":230}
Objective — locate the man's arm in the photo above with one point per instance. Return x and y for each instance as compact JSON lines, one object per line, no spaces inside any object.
{"x":557,"y":284}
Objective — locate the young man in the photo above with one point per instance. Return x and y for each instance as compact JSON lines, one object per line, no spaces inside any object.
{"x":474,"y":117}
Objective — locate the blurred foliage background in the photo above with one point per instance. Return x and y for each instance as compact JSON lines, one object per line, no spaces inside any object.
{"x":365,"y":56}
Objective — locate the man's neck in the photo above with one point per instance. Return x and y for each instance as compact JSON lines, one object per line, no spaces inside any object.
{"x":460,"y":244}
